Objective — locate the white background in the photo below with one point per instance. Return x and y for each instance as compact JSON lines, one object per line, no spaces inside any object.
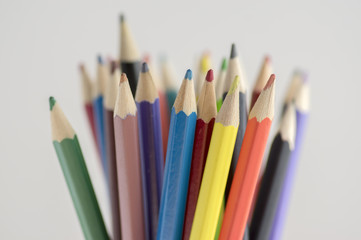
{"x":42,"y":42}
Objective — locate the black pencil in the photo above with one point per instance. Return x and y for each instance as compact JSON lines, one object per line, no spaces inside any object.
{"x":273,"y":177}
{"x":129,"y":55}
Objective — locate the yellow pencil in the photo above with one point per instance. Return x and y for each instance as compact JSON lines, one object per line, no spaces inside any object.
{"x":217,"y":167}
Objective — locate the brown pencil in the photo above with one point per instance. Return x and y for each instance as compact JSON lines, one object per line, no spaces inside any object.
{"x":109,"y":103}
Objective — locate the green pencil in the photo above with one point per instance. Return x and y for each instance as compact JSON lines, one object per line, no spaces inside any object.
{"x":76,"y":174}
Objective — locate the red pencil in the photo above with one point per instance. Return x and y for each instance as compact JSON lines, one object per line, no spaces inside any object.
{"x":249,"y":164}
{"x":87,"y":86}
{"x":261,"y":81}
{"x":207,"y":111}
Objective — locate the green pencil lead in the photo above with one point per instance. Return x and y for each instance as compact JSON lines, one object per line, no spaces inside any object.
{"x":224,"y":64}
{"x":51,"y":102}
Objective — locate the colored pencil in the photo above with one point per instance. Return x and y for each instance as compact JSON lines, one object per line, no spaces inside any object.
{"x":293,"y":87}
{"x":302,"y":105}
{"x":102,"y":77}
{"x":110,"y":95}
{"x":207,"y":111}
{"x":261,"y":81}
{"x":233,"y":70}
{"x":273,"y":177}
{"x":128,"y":163}
{"x":220,"y":82}
{"x":178,"y":163}
{"x":168,"y":82}
{"x":243,"y":117}
{"x":249,"y":163}
{"x":72,"y":162}
{"x":163,"y":104}
{"x":87,"y":87}
{"x":151,"y":148}
{"x":129,"y":55}
{"x":217,"y":166}
{"x":203,"y":67}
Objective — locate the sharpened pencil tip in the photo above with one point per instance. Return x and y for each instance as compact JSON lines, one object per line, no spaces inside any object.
{"x":121,"y":18}
{"x":234,"y":85}
{"x":81,"y":66}
{"x":113,"y":66}
{"x":51,"y":102}
{"x":303,"y":75}
{"x":233,"y":51}
{"x":123,"y":78}
{"x":209,"y":76}
{"x":267,"y":59}
{"x":100,"y":60}
{"x":145,"y":67}
{"x":188,"y":74}
{"x":270,"y":81}
{"x":224,"y":64}
{"x":146,"y":58}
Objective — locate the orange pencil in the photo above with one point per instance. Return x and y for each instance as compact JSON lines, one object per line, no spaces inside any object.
{"x":249,"y":164}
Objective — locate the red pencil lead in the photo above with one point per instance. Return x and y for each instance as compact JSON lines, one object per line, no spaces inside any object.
{"x":270,"y":81}
{"x":209,"y":76}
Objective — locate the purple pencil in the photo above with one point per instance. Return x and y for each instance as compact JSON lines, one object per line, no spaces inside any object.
{"x":302,"y":102}
{"x":151,"y":149}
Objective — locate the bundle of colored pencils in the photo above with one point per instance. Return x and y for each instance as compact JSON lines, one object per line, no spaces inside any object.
{"x":183,"y":164}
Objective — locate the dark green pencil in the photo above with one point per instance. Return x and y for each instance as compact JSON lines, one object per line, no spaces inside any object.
{"x":76,"y":174}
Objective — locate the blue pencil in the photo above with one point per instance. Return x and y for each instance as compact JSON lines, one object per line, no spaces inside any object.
{"x":178,"y":162}
{"x":99,"y":113}
{"x":151,"y":149}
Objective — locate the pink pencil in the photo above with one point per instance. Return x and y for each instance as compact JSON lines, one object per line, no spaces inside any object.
{"x":128,"y":163}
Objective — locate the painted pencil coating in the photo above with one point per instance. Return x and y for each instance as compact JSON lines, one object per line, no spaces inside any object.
{"x":98,"y":103}
{"x":99,"y":120}
{"x":179,"y":155}
{"x":112,"y":170}
{"x":171,"y":96}
{"x":76,"y":175}
{"x":216,"y":169}
{"x":89,"y":109}
{"x":280,"y":218}
{"x":87,"y":87}
{"x":209,"y":204}
{"x":151,"y":148}
{"x":110,"y":94}
{"x":237,"y":227}
{"x":273,"y":177}
{"x":249,"y":163}
{"x":176,"y":175}
{"x":129,"y":175}
{"x":207,"y":111}
{"x":128,"y":163}
{"x":132,"y":70}
{"x":243,"y":118}
{"x":151,"y":153}
{"x":202,"y":138}
{"x":164,"y":116}
{"x":129,"y":55}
